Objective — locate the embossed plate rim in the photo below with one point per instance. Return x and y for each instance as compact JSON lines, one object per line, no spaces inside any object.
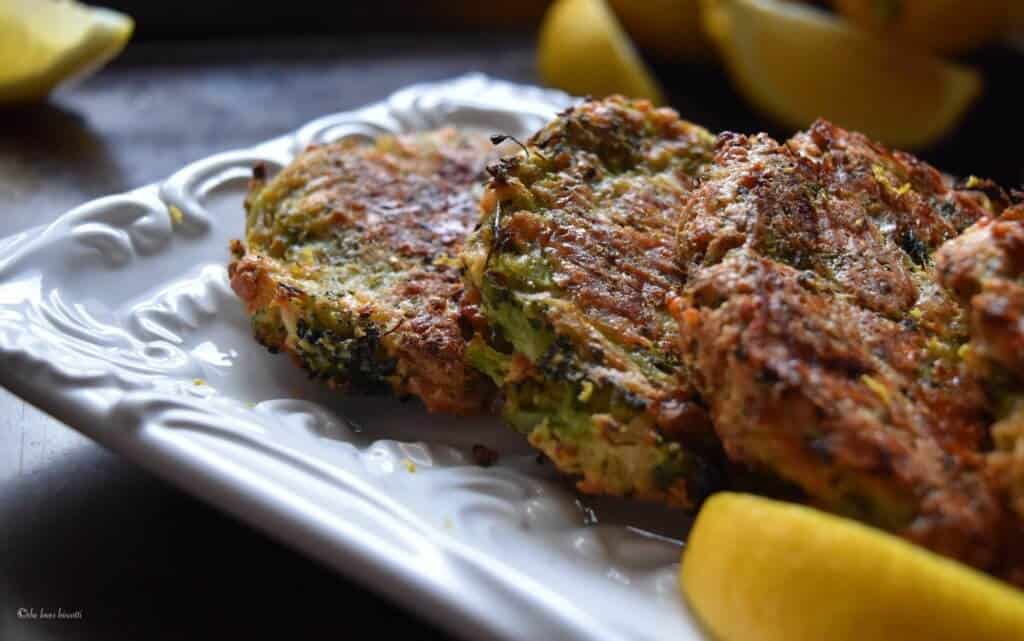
{"x":204,"y":442}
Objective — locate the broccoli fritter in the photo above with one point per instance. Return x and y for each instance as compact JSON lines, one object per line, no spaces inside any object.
{"x":572,"y":267}
{"x":813,"y":325}
{"x":984,"y":269}
{"x":350,"y":264}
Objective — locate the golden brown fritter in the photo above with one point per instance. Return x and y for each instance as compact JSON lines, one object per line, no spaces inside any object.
{"x":984,"y":268}
{"x":349,"y":264}
{"x":813,"y":326}
{"x":573,"y":265}
{"x":824,"y":393}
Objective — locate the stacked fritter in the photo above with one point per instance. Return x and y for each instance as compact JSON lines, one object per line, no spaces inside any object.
{"x":984,"y":268}
{"x":573,"y":266}
{"x":350,"y":264}
{"x":814,"y":327}
{"x":665,"y":314}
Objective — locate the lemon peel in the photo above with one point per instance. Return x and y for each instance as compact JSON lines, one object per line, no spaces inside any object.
{"x":797,"y":63}
{"x":584,"y":50}
{"x":756,"y":569}
{"x":46,"y":43}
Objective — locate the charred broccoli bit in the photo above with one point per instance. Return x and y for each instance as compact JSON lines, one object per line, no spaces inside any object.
{"x":572,"y":266}
{"x":350,"y":264}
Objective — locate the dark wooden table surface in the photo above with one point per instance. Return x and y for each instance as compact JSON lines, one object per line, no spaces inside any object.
{"x":83,"y":530}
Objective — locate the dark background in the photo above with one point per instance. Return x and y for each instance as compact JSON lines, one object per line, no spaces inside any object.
{"x":81,"y":529}
{"x":195,"y":19}
{"x":987,"y":143}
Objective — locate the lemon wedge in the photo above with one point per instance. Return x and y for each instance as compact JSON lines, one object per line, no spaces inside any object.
{"x":755,"y":569}
{"x":584,"y":50}
{"x":46,"y":42}
{"x":798,"y":63}
{"x":942,"y":26}
{"x":668,"y":29}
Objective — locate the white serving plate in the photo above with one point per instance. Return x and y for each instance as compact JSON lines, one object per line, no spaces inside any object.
{"x":118,"y":320}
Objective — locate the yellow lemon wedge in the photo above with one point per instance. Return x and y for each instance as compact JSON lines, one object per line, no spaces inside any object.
{"x":942,"y":26}
{"x":797,"y":63}
{"x":46,"y":42}
{"x":668,"y":29}
{"x":756,"y":569}
{"x":584,"y":50}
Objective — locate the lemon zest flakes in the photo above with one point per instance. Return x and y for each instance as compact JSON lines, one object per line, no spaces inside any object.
{"x":883,"y":180}
{"x":410,"y":466}
{"x":177,"y":217}
{"x":877,"y":387}
{"x":586,"y":392}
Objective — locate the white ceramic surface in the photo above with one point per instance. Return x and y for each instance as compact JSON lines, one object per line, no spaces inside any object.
{"x":118,"y":320}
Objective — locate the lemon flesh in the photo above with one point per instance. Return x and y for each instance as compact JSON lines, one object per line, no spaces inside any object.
{"x":797,"y":63}
{"x":584,"y":50}
{"x":755,"y":569}
{"x":46,"y":42}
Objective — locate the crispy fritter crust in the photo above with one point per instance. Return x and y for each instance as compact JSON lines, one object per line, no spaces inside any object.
{"x":813,"y":326}
{"x":573,"y":264}
{"x":349,"y":264}
{"x":984,"y":269}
